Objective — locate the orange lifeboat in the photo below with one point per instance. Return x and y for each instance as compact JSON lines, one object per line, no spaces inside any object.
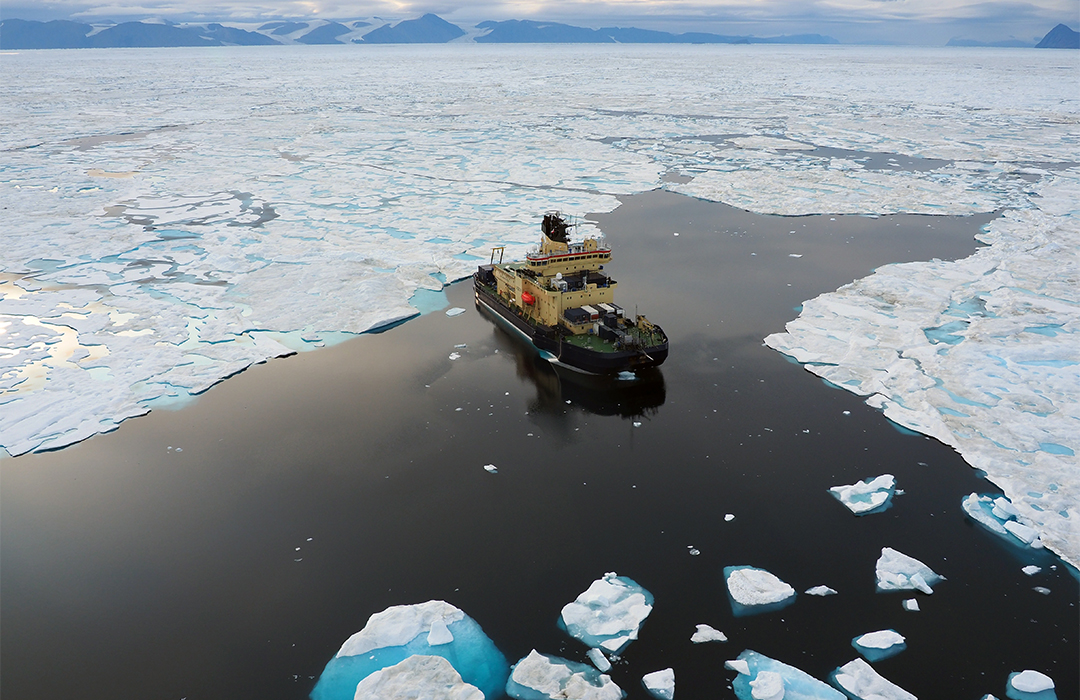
{"x":527,"y":299}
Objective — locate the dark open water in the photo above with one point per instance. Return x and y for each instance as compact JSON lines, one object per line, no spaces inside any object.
{"x":129,"y":570}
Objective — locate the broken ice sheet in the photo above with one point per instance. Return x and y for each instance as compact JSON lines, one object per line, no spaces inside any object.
{"x":871,"y":495}
{"x":752,"y":591}
{"x":660,"y":684}
{"x":542,"y":677}
{"x":706,"y":633}
{"x":998,"y":515}
{"x":434,"y":628}
{"x":429,"y":677}
{"x":897,"y":571}
{"x":609,"y":614}
{"x":875,"y":646}
{"x":860,"y":680}
{"x":752,"y":666}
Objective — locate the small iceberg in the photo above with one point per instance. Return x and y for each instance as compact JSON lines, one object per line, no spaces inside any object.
{"x":755,"y":591}
{"x":1030,"y":685}
{"x":599,"y":660}
{"x":762,"y":678}
{"x":998,"y":515}
{"x":897,"y":572}
{"x":428,"y":677}
{"x":867,"y":496}
{"x":660,"y":684}
{"x":542,"y":677}
{"x":455,"y":311}
{"x":820,"y":591}
{"x":859,"y":680}
{"x":875,"y":646}
{"x":608,"y":614}
{"x":705,"y":633}
{"x":911,"y":605}
{"x":434,"y":628}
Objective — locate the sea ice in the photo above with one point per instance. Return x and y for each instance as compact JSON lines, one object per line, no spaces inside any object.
{"x":875,"y":646}
{"x":599,"y":660}
{"x":860,"y":680}
{"x":660,"y":684}
{"x":911,"y":605}
{"x":542,"y":677}
{"x":491,"y":469}
{"x":705,"y":633}
{"x":756,"y":590}
{"x":754,"y":668}
{"x":608,"y":614}
{"x":820,"y":591}
{"x":1031,"y":569}
{"x":867,"y":496}
{"x":428,"y":677}
{"x":1001,"y":517}
{"x":896,"y":571}
{"x":434,"y":628}
{"x":455,"y":311}
{"x":1030,"y":682}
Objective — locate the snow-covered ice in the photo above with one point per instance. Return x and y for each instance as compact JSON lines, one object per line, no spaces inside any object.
{"x":707,"y":633}
{"x":756,"y":590}
{"x":1029,"y":681}
{"x":660,"y":684}
{"x":860,"y":680}
{"x":599,"y":660}
{"x":911,"y":604}
{"x":429,"y":677}
{"x":542,"y":677}
{"x":759,"y":673}
{"x":875,"y":646}
{"x":820,"y":591}
{"x":866,"y":496}
{"x":608,"y":614}
{"x":1000,"y":516}
{"x":1031,"y":569}
{"x":897,"y":571}
{"x":434,"y":628}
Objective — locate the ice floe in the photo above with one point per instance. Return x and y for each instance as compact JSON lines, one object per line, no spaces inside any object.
{"x":1030,"y":683}
{"x":875,"y":646}
{"x":999,"y":516}
{"x":542,"y":677}
{"x":911,"y":604}
{"x":660,"y":684}
{"x":866,"y":496}
{"x":897,"y":572}
{"x":599,"y":660}
{"x":429,"y":677}
{"x":861,"y":681}
{"x":608,"y":615}
{"x":820,"y":591}
{"x":755,"y":590}
{"x":707,"y":633}
{"x":1031,"y":569}
{"x":434,"y":628}
{"x":763,"y":678}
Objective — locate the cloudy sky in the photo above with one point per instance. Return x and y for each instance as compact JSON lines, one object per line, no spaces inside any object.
{"x":887,"y":21}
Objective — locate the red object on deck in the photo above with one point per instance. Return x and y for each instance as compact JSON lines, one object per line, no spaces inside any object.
{"x":527,"y":299}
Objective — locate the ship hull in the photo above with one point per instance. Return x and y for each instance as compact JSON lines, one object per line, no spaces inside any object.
{"x":572,"y":356}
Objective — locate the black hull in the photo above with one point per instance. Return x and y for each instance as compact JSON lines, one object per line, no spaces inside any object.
{"x":581,"y":359}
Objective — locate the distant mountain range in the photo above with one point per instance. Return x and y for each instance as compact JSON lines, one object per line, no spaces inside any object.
{"x":428,"y":29}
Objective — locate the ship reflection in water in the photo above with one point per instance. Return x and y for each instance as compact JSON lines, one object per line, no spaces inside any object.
{"x":627,"y":395}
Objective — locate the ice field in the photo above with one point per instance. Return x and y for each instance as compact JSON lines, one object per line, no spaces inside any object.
{"x":172,"y":216}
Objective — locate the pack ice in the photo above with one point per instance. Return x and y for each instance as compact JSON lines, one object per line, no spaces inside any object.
{"x":867,"y":496}
{"x":542,"y":677}
{"x":762,"y":678}
{"x":755,"y":590}
{"x":401,"y":632}
{"x":897,"y":572}
{"x":608,"y":614}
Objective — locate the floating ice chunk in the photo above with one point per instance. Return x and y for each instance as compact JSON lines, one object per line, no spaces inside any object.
{"x":867,"y":496}
{"x":860,"y":680}
{"x":1001,"y":517}
{"x":1022,"y":532}
{"x":1030,"y":682}
{"x":796,"y":684}
{"x":729,"y":517}
{"x":1031,"y":570}
{"x":541,"y":677}
{"x":875,"y":646}
{"x":599,"y":660}
{"x":660,"y":684}
{"x":491,"y":468}
{"x":429,"y":677}
{"x":1041,"y":590}
{"x":705,"y":633}
{"x":820,"y":590}
{"x":455,"y":311}
{"x":608,"y":614}
{"x":896,"y":571}
{"x":911,"y":605}
{"x":769,"y":685}
{"x":455,"y":356}
{"x":756,"y":590}
{"x":401,"y":631}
